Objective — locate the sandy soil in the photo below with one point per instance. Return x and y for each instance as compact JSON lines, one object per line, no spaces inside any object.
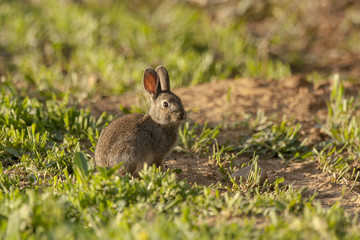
{"x":294,"y":97}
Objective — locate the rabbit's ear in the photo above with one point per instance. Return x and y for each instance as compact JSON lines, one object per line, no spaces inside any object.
{"x":151,"y":82}
{"x":164,"y":78}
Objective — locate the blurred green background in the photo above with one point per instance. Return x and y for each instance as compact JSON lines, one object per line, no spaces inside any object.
{"x":89,"y":47}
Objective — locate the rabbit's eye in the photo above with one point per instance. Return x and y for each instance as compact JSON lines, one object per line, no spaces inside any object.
{"x":165,"y":104}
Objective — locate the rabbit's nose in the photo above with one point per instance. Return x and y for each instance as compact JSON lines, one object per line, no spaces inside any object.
{"x":179,"y":115}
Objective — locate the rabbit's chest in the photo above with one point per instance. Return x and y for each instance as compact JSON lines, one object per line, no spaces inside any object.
{"x":165,"y":142}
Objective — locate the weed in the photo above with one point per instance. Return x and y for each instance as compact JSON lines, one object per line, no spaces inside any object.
{"x":342,"y":122}
{"x":342,"y":125}
{"x":339,"y":162}
{"x":40,"y":136}
{"x":277,"y":140}
{"x":197,"y":140}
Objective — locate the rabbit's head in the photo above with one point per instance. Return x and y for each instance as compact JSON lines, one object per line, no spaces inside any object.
{"x":166,"y":108}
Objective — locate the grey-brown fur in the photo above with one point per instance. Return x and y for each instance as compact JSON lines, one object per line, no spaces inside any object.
{"x":136,"y":138}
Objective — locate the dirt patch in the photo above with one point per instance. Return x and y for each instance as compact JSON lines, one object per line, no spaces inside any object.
{"x":229,"y":101}
{"x":195,"y":170}
{"x":301,"y":175}
{"x":307,"y":176}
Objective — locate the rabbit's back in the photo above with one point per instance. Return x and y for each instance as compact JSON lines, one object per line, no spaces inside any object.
{"x":118,"y":136}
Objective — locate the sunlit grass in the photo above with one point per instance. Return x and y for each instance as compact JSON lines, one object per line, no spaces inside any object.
{"x":341,"y":155}
{"x":66,"y":46}
{"x":55,"y":54}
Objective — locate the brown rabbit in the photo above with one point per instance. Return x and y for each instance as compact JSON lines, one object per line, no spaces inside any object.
{"x":135,"y":139}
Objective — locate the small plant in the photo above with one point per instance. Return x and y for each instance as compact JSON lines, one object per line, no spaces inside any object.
{"x":196,"y":140}
{"x":260,"y":122}
{"x":278,"y":140}
{"x":337,"y":161}
{"x":342,"y":124}
{"x":251,"y":181}
{"x":254,"y":180}
{"x":223,"y":157}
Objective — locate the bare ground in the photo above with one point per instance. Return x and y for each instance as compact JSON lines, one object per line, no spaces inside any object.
{"x":294,"y":97}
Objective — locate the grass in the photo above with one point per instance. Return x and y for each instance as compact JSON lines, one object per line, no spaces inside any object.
{"x":89,"y":205}
{"x":343,"y":120}
{"x":49,"y":188}
{"x":66,"y":46}
{"x":340,"y":155}
{"x":196,"y":140}
{"x":276,"y":140}
{"x":43,"y":136}
{"x":56,"y":55}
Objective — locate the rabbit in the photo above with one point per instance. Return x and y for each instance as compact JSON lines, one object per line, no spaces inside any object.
{"x":135,"y":139}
